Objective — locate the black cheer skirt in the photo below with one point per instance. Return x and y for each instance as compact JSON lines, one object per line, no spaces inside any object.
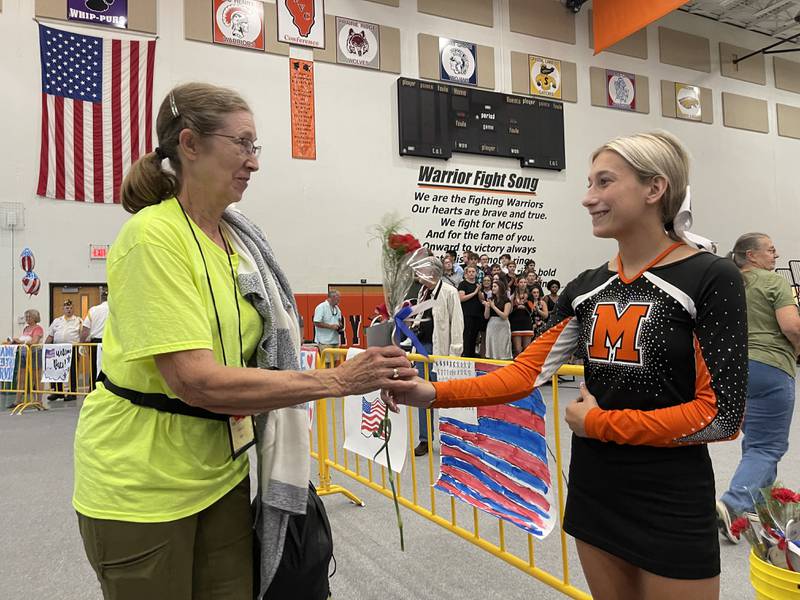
{"x":652,"y":507}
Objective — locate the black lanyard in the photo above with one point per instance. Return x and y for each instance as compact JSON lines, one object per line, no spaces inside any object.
{"x":211,"y":289}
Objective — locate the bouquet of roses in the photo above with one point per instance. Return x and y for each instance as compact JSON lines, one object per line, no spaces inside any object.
{"x":402,"y":260}
{"x":774,"y":529}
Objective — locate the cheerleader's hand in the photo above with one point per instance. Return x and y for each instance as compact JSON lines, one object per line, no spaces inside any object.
{"x":578,"y":409}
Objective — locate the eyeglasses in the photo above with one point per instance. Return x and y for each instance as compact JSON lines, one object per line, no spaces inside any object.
{"x":247,"y":146}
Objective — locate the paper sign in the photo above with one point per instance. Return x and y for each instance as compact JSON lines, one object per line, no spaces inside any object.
{"x":301,"y":84}
{"x":57,"y":361}
{"x":8,"y":362}
{"x":545,"y":76}
{"x":621,"y":90}
{"x":358,"y":43}
{"x":110,"y":13}
{"x":687,"y":102}
{"x":458,"y":61}
{"x":301,"y":22}
{"x":448,"y":369}
{"x":239,"y":23}
{"x":362,"y":415}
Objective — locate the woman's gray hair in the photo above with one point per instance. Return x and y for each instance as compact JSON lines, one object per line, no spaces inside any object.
{"x":436,"y":267}
{"x":34,"y":314}
{"x":745,"y":243}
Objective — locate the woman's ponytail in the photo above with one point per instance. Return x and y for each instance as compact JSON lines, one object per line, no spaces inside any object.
{"x":147,"y":183}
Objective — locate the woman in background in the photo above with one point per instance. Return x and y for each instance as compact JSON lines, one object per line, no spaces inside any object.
{"x":773,"y":327}
{"x":498,"y":331}
{"x":520,"y":318}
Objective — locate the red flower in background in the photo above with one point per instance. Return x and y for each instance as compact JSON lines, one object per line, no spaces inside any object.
{"x":403,"y":242}
{"x":784,"y":495}
{"x":738,"y":526}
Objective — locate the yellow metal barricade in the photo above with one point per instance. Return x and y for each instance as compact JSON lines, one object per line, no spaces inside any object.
{"x":18,"y":387}
{"x":80,"y":380}
{"x":330,"y":454}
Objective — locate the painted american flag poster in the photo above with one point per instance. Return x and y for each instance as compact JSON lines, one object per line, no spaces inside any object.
{"x":362,"y":415}
{"x":97,"y":113}
{"x":500,"y":464}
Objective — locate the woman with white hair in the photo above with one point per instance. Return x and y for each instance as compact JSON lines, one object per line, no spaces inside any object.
{"x":662,"y":332}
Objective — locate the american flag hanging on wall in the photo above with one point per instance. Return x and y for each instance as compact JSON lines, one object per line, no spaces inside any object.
{"x":97,"y":113}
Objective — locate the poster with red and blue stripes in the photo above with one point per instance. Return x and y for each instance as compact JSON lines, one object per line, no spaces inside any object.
{"x":500,"y":464}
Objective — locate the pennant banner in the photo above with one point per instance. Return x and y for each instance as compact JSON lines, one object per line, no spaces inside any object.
{"x":614,"y":20}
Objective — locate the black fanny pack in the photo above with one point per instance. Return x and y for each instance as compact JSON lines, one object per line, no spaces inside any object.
{"x":160,"y":402}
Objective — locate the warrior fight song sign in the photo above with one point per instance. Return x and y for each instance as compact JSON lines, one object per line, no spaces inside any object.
{"x":487,"y":211}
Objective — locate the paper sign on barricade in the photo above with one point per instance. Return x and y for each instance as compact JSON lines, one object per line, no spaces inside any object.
{"x":500,"y":465}
{"x":447,"y":369}
{"x":362,"y":415}
{"x":99,"y":362}
{"x":57,"y":361}
{"x":308,"y":361}
{"x":8,"y":363}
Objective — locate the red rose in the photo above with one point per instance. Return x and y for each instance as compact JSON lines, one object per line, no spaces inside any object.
{"x":738,"y":526}
{"x":783,"y":495}
{"x":396,"y":241}
{"x":403,"y":242}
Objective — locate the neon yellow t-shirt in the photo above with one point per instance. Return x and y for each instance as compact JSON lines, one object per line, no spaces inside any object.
{"x":140,"y":464}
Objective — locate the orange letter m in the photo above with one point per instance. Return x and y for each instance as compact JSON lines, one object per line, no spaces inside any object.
{"x":615,"y":336}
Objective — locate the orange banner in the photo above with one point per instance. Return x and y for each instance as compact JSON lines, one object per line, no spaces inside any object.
{"x":301,"y":85}
{"x":614,"y":20}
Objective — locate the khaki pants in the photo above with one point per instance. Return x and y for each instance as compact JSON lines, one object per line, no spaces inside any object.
{"x":202,"y":557}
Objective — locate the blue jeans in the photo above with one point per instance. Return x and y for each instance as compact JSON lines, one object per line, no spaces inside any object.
{"x":423,"y":420}
{"x":767,"y":419}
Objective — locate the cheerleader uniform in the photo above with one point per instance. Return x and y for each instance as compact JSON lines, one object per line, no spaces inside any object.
{"x":665,"y":355}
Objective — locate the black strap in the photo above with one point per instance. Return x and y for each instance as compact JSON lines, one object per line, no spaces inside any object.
{"x":160,"y":402}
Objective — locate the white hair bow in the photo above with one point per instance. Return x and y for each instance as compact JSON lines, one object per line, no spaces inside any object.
{"x":682,"y":223}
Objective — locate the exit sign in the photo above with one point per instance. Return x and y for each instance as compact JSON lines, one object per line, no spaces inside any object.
{"x":98,"y":251}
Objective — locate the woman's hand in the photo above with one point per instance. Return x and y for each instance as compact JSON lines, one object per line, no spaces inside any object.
{"x":578,"y":409}
{"x":421,"y":395}
{"x":375,"y":368}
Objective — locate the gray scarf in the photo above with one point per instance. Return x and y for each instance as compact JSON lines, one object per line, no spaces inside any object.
{"x":281,"y":435}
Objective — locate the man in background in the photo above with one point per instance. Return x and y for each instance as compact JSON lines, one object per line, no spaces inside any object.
{"x":328,"y":322}
{"x":66,"y":330}
{"x":92,"y":330}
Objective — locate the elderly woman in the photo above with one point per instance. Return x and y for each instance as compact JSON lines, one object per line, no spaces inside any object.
{"x":196,"y":297}
{"x":773,"y":328}
{"x":32,"y":333}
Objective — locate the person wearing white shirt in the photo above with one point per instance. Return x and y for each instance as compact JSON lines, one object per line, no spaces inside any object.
{"x":328,"y":321}
{"x":66,"y":330}
{"x":92,"y":330}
